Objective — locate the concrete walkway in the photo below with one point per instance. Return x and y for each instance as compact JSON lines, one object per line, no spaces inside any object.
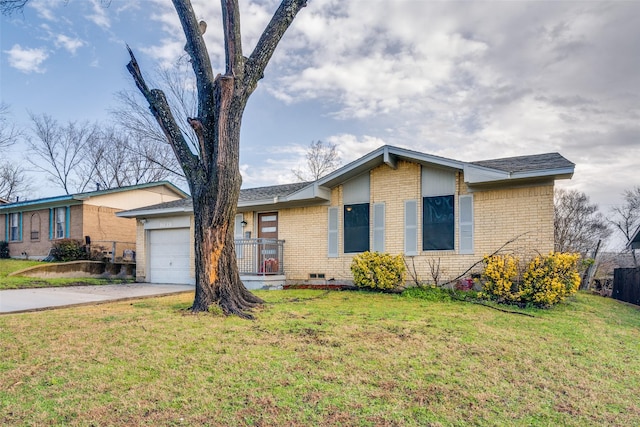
{"x":21,"y":300}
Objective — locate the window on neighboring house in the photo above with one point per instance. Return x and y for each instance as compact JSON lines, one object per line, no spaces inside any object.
{"x":14,"y":227}
{"x":35,"y":226}
{"x":438,"y":223}
{"x":356,"y":228}
{"x":60,"y":222}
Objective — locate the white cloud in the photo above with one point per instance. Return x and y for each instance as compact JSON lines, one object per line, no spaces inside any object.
{"x":99,"y":15}
{"x":68,"y":43}
{"x":27,"y":60}
{"x":46,"y":8}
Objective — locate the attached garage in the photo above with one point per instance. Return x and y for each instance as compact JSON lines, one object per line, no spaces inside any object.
{"x":169,"y":256}
{"x":168,"y":249}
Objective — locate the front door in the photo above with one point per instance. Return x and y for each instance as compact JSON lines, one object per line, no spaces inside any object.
{"x":268,"y":245}
{"x":268,"y":225}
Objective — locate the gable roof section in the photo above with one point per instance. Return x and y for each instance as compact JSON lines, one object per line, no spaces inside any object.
{"x":512,"y":169}
{"x":78,"y":198}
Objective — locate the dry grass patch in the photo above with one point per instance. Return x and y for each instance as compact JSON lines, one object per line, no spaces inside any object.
{"x":322,"y":358}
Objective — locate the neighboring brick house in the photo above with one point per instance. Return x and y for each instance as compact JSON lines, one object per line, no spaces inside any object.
{"x":434,"y":210}
{"x":31,"y":226}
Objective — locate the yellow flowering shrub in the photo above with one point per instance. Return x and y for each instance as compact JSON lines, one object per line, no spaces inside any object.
{"x":546,"y":281}
{"x":498,"y":276}
{"x":378,"y":270}
{"x":550,"y":279}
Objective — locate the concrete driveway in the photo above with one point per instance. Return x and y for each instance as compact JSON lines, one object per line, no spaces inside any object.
{"x":21,"y":300}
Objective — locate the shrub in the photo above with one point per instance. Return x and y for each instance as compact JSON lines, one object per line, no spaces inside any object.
{"x":68,"y":250}
{"x":4,"y":249}
{"x":546,"y":281}
{"x":550,"y":279}
{"x":499,"y":274}
{"x":377,"y":270}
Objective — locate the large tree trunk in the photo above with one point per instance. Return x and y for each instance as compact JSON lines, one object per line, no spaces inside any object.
{"x":213,"y":173}
{"x":214,"y":207}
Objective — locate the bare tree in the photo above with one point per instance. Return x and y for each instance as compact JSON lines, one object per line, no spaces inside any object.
{"x":212,"y":171}
{"x":578,"y":226}
{"x":60,"y":151}
{"x":322,"y":158}
{"x":626,"y":218}
{"x":118,"y":160}
{"x":13,"y":181}
{"x":9,"y":6}
{"x":9,"y":134}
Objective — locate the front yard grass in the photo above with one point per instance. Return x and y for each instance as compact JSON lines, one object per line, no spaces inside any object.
{"x":322,"y":358}
{"x":8,"y":266}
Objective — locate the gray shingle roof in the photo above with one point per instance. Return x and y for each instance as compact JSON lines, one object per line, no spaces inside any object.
{"x":265,"y":193}
{"x":246,"y":195}
{"x":527,"y":163}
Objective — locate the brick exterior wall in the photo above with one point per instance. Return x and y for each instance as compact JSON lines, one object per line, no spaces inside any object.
{"x":500,"y":215}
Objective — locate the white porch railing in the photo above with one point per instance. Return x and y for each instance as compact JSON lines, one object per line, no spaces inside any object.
{"x":260,"y":257}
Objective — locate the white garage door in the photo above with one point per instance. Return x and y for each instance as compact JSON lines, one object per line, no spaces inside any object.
{"x":169,"y":256}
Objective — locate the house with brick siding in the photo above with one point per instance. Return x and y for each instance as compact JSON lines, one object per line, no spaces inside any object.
{"x":434,"y":210}
{"x":31,"y":226}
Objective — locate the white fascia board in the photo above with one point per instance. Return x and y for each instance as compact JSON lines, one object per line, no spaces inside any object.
{"x":312,"y":191}
{"x":154,"y":212}
{"x":474,"y":174}
{"x":564,"y":173}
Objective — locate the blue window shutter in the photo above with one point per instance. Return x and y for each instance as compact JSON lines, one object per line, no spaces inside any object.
{"x":50,"y":223}
{"x":67,"y":221}
{"x":466,"y":224}
{"x":411,"y":227}
{"x":333,"y":233}
{"x":20,"y":226}
{"x":6,"y":227}
{"x":378,"y":227}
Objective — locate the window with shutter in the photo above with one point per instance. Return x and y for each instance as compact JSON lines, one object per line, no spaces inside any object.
{"x":466,"y":224}
{"x":333,"y":233}
{"x":378,"y":227}
{"x":411,"y":227}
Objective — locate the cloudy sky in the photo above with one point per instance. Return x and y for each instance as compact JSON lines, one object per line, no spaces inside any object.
{"x":465,"y":80}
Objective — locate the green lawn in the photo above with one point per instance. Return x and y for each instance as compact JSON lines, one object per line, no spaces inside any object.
{"x":322,"y":358}
{"x":8,"y":266}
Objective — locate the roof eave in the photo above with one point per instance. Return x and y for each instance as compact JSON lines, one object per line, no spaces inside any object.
{"x":388,"y":155}
{"x":154,"y":212}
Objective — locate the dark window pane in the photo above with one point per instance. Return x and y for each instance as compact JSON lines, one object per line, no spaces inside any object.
{"x":437,"y":223}
{"x":356,"y":228}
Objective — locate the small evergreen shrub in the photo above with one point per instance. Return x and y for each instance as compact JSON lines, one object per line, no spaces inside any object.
{"x":68,"y":250}
{"x":375,"y":270}
{"x":4,"y":249}
{"x":546,"y":281}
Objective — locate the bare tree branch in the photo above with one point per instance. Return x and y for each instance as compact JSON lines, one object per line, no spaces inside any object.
{"x":197,"y":51}
{"x":270,"y":38}
{"x":13,"y":181}
{"x":161,"y":111}
{"x":9,"y":134}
